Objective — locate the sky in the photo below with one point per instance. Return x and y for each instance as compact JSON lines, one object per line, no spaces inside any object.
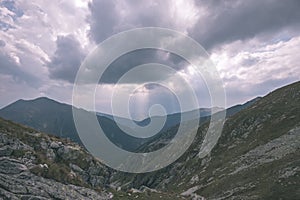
{"x":254,"y":44}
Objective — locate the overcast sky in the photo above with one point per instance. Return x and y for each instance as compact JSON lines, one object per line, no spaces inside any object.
{"x":254,"y":44}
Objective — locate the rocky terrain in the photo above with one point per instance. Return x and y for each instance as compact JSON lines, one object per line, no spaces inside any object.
{"x":256,"y":157}
{"x":34,"y":165}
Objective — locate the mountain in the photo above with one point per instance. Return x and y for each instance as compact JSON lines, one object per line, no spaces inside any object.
{"x":43,"y":114}
{"x":256,"y":157}
{"x":56,"y":118}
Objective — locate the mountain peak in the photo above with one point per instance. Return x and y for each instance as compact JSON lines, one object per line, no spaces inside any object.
{"x":38,"y":99}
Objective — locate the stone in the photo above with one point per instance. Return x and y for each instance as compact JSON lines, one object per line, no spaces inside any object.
{"x":54,"y":145}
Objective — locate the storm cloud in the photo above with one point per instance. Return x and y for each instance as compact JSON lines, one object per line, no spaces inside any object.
{"x":228,"y":21}
{"x":218,"y":22}
{"x":139,"y":57}
{"x":110,"y":17}
{"x":67,"y":58}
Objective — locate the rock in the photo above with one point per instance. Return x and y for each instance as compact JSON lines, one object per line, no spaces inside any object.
{"x":43,"y":166}
{"x":44,"y":145}
{"x":54,"y":145}
{"x":133,"y":191}
{"x":68,"y":153}
{"x":194,"y":179}
{"x":6,"y":151}
{"x":96,"y":180}
{"x":17,"y":182}
{"x":11,"y":166}
{"x":75,"y":168}
{"x":50,"y":154}
{"x":190,"y":191}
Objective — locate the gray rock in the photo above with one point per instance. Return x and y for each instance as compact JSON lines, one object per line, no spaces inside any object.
{"x":54,"y":145}
{"x":17,"y":182}
{"x":75,"y":168}
{"x":44,"y":144}
{"x":11,"y":166}
{"x":6,"y":151}
{"x":50,"y":154}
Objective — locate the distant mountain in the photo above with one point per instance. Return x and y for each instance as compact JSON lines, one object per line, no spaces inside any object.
{"x":56,"y":118}
{"x":172,"y":119}
{"x":43,"y":114}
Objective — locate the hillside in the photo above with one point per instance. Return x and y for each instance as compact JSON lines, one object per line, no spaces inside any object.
{"x":257,"y":156}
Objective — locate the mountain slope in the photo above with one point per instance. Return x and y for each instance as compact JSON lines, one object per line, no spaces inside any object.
{"x":256,"y":157}
{"x":237,"y":108}
{"x":43,"y":114}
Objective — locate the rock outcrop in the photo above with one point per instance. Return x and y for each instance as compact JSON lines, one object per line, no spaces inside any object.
{"x":34,"y":165}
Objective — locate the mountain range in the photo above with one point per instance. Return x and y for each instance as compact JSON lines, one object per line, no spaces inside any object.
{"x":56,"y":118}
{"x":256,"y":157}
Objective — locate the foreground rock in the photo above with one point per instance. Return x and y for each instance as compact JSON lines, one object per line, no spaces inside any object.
{"x":17,"y":182}
{"x":37,"y":166}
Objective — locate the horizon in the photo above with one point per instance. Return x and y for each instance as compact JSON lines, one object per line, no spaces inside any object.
{"x":146,"y":116}
{"x":140,"y":119}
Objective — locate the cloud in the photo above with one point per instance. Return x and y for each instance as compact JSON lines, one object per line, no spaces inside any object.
{"x":26,"y":48}
{"x":11,"y":91}
{"x":67,"y":58}
{"x":10,"y":65}
{"x":228,"y":21}
{"x":2,"y":43}
{"x":250,"y":71}
{"x":211,"y":23}
{"x":110,"y":17}
{"x":8,"y":14}
{"x":139,"y":57}
{"x":104,"y":16}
